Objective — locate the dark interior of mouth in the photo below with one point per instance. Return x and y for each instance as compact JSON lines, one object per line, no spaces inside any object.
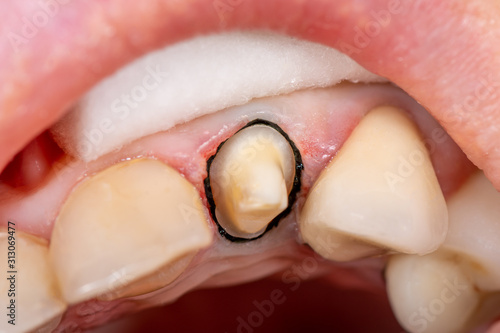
{"x":268,"y":306}
{"x":30,"y":168}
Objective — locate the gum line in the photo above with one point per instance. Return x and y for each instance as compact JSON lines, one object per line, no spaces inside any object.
{"x":318,"y":121}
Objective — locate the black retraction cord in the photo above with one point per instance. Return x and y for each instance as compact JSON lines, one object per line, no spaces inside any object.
{"x":299,"y":166}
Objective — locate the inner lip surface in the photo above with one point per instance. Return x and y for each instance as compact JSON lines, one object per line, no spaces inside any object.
{"x":110,"y":34}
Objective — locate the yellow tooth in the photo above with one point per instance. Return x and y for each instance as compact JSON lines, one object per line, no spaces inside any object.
{"x":29,"y":296}
{"x":474,"y":230}
{"x":432,"y":293}
{"x":129,"y":229}
{"x":458,"y":285}
{"x":251,"y":177}
{"x":378,"y":195}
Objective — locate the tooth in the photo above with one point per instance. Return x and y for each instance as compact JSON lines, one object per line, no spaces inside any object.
{"x":470,"y":254}
{"x":37,"y":301}
{"x":251,"y":177}
{"x":474,"y":229}
{"x":432,"y":293}
{"x":130,"y":229}
{"x":378,"y":195}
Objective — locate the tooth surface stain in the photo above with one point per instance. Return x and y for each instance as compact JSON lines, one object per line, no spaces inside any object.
{"x":299,"y":167}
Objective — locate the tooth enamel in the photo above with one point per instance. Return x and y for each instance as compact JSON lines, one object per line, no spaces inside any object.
{"x":38,"y":303}
{"x":251,"y":177}
{"x":378,"y":195}
{"x":432,"y":293}
{"x":474,"y":229}
{"x":197,"y":77}
{"x":130,"y":229}
{"x":470,"y":253}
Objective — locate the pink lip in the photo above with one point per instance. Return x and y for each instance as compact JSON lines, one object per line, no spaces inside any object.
{"x":444,"y":54}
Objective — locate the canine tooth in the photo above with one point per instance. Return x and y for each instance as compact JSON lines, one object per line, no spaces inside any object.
{"x":432,"y":293}
{"x":37,"y":300}
{"x":251,"y":177}
{"x":378,"y":195}
{"x":123,"y":224}
{"x":470,"y":250}
{"x":474,"y":229}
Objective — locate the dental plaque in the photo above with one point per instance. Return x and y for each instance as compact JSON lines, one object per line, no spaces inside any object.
{"x":253,"y":180}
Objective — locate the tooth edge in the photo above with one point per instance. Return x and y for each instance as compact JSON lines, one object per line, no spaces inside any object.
{"x":160,"y":193}
{"x":355,"y":178}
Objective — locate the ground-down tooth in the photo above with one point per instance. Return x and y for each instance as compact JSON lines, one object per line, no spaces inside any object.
{"x":251,"y":177}
{"x":127,"y":230}
{"x":378,"y":195}
{"x":457,"y":287}
{"x":29,"y":294}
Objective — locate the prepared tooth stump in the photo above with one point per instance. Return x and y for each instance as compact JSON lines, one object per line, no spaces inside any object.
{"x":252,"y":180}
{"x":127,"y":230}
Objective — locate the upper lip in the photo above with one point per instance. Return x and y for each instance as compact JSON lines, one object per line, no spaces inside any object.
{"x":422,"y":46}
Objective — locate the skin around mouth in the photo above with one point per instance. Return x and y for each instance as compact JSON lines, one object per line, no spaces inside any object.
{"x":375,"y":50}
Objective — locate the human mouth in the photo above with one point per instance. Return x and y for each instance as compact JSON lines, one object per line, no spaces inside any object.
{"x":194,"y":181}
